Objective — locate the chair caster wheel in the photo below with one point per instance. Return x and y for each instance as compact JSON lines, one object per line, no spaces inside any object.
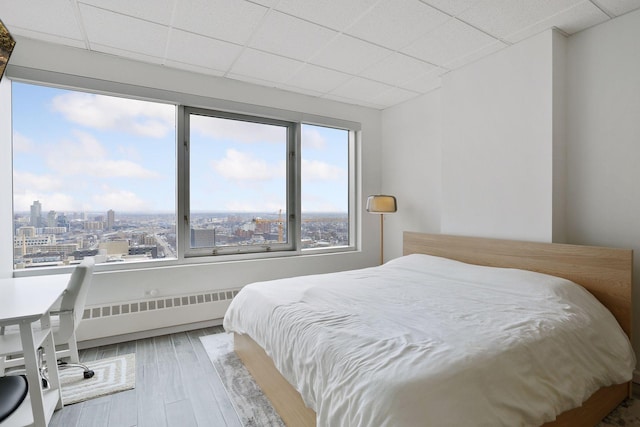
{"x":89,"y":374}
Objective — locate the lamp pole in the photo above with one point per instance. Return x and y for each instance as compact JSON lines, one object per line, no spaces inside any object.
{"x":381,"y":239}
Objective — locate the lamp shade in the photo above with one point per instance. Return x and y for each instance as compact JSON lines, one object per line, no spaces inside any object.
{"x":380,"y":203}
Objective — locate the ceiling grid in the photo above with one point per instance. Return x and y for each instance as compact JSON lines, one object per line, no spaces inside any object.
{"x":375,"y":53}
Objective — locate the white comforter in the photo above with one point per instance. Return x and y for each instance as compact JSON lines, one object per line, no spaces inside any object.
{"x":427,"y":341}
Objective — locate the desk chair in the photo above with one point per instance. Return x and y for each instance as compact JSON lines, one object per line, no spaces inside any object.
{"x":66,"y":315}
{"x":13,"y":391}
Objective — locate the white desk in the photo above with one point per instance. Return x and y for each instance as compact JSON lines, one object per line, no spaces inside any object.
{"x":24,"y":301}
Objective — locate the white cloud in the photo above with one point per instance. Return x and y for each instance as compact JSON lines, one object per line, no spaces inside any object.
{"x":129,"y":152}
{"x":60,"y":202}
{"x":43,"y":183}
{"x":112,"y":113}
{"x":238,"y":131}
{"x":311,"y":138}
{"x":119,"y":200}
{"x":316,"y":170}
{"x":239,"y":166}
{"x":21,"y":143}
{"x":85,"y":156}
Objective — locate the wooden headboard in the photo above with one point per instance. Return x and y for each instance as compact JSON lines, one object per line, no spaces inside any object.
{"x":605,"y":272}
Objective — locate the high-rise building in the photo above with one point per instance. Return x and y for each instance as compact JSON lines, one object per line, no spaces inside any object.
{"x":51,"y":219}
{"x":111,"y":219}
{"x":36,"y":214}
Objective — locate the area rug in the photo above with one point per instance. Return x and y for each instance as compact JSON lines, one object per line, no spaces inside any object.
{"x":251,"y":405}
{"x":627,"y":414}
{"x":254,"y":409}
{"x":112,"y":375}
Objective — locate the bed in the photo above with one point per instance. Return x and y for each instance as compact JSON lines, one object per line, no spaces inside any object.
{"x":449,"y":372}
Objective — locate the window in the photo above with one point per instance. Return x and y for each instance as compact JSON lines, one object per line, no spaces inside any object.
{"x":325,"y":187}
{"x":108,"y":176}
{"x":242,"y":184}
{"x":240,"y":178}
{"x":93,"y":175}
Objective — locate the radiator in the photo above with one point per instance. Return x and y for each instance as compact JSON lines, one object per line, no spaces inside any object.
{"x":159,"y":303}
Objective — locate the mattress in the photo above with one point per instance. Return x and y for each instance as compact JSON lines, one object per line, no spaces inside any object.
{"x":423,"y":340}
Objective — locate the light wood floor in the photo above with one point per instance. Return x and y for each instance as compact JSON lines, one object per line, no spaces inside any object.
{"x":176,"y":385}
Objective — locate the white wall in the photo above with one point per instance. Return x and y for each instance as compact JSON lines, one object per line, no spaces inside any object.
{"x":484,"y":154}
{"x":133,"y":285}
{"x":603,"y":146}
{"x":412,"y":168}
{"x":497,"y":149}
{"x":501,"y":175}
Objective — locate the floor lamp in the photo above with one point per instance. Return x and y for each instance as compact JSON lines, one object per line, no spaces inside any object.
{"x":381,"y":204}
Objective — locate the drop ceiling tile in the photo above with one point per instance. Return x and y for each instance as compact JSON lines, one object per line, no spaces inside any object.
{"x":475,"y":55}
{"x":349,"y":55}
{"x":394,"y":96}
{"x":229,"y":20}
{"x":55,"y":18}
{"x":335,"y":14}
{"x":353,"y":101}
{"x":17,"y":32}
{"x":158,"y":11}
{"x":395,"y":24}
{"x":425,"y":83}
{"x":451,"y":7}
{"x":317,"y":79}
{"x":201,"y":51}
{"x":141,"y":57}
{"x":397,"y":69}
{"x":265,"y":66}
{"x":448,"y":42}
{"x":360,"y":88}
{"x":291,"y":37}
{"x":123,"y":32}
{"x":266,"y":3}
{"x":503,"y":17}
{"x":302,"y":91}
{"x":572,"y":20}
{"x":618,"y":7}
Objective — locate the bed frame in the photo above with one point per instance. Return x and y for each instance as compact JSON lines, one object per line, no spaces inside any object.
{"x":605,"y":272}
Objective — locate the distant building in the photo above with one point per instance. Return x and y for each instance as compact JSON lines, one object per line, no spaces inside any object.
{"x":115,"y":247}
{"x":27,"y":231}
{"x":36,"y":214}
{"x":62,"y":250}
{"x":62,"y":221}
{"x":23,"y":240}
{"x":144,"y":250}
{"x":80,"y":254}
{"x":51,"y":219}
{"x":111,"y":219}
{"x":54,"y":230}
{"x":149,"y":240}
{"x":93,"y":225}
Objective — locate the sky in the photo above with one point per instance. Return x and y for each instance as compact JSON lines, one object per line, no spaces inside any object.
{"x":83,"y":152}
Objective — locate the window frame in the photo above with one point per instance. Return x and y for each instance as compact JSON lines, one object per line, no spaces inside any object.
{"x":183,"y":100}
{"x":292,"y":184}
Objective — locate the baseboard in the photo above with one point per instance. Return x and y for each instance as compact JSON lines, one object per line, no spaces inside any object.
{"x":116,"y":339}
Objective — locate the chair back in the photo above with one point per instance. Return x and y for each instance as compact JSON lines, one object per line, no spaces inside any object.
{"x":75,"y":296}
